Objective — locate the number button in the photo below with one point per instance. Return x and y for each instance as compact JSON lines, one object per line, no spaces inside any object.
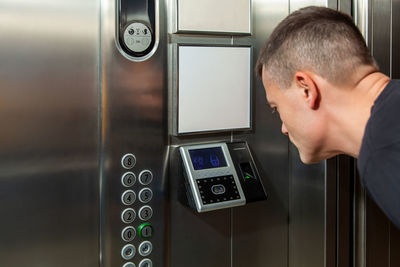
{"x":145,"y":195}
{"x":145,"y":213}
{"x":145,"y":248}
{"x":128,"y":252}
{"x":128,"y":234}
{"x":146,"y":263}
{"x":128,"y":215}
{"x":145,"y":177}
{"x":128,"y":197}
{"x":128,"y":179}
{"x":128,"y":161}
{"x":145,"y":230}
{"x":129,"y":264}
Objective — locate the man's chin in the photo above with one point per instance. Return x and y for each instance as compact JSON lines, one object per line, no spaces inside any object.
{"x":309,"y":159}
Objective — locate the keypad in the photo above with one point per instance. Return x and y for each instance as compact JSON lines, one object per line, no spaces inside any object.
{"x":130,"y":226}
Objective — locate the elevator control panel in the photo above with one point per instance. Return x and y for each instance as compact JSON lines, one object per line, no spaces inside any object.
{"x":136,"y":214}
{"x":136,"y":28}
{"x":220,"y":175}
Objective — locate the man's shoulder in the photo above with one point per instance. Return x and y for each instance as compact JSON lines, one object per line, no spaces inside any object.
{"x":383,"y":128}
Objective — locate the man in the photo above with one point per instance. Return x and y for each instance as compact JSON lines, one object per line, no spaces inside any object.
{"x":332,"y":99}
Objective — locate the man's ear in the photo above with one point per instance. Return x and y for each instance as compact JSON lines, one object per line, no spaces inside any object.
{"x":309,"y":89}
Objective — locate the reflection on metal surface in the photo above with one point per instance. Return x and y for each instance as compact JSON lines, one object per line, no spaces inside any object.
{"x":49,"y":133}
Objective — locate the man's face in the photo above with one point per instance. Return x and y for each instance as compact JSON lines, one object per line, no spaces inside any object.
{"x":300,"y":123}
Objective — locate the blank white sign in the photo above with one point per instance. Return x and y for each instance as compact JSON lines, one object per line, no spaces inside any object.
{"x":214,"y":15}
{"x":213,"y":88}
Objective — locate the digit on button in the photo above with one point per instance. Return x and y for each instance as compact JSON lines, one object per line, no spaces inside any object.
{"x":128,"y":179}
{"x":145,"y":177}
{"x":145,"y":213}
{"x":128,"y":215}
{"x":145,"y":230}
{"x":128,"y":161}
{"x":128,"y":234}
{"x":128,"y":197}
{"x":145,"y":195}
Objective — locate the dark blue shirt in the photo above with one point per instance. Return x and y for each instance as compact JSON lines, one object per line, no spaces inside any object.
{"x":379,"y":158}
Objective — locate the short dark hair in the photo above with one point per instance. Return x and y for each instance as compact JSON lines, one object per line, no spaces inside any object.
{"x":316,"y":39}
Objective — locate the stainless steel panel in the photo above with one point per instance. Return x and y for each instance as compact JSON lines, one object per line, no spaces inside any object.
{"x":260,"y":230}
{"x":133,"y":111}
{"x":194,"y":239}
{"x":49,"y":133}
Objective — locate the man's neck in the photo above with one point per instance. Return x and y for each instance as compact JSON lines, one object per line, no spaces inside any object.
{"x":354,"y":105}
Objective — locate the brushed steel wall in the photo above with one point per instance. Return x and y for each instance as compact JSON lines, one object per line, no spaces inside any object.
{"x":133,"y":110}
{"x":49,"y":81}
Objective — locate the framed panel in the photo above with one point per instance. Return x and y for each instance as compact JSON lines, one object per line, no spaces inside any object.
{"x":219,"y":17}
{"x":213,"y":88}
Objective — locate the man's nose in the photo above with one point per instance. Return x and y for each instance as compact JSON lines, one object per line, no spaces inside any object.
{"x":284,"y":129}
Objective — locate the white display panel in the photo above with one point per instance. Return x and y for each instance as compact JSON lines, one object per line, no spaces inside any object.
{"x":233,"y":16}
{"x":213,"y":88}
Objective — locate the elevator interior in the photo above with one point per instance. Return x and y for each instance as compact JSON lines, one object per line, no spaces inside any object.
{"x":101,"y":104}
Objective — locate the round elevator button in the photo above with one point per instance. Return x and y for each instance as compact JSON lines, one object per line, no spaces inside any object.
{"x":145,"y":230}
{"x":128,"y":161}
{"x":128,"y":252}
{"x":145,"y":195}
{"x":128,"y":215}
{"x":128,"y":234}
{"x":145,"y":213}
{"x":145,"y":177}
{"x":128,"y":179}
{"x":146,"y":263}
{"x":129,"y":264}
{"x":128,"y":197}
{"x":145,"y":248}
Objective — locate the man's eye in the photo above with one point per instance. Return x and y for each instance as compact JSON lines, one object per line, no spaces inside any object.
{"x":274,"y":110}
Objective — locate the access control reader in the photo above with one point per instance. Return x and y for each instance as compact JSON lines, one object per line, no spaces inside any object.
{"x":220,"y":175}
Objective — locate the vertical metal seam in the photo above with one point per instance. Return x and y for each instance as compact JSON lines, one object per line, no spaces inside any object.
{"x":100,"y":137}
{"x":231,"y":241}
{"x":391,"y":75}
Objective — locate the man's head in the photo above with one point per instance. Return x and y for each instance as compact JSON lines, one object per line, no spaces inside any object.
{"x":309,"y":49}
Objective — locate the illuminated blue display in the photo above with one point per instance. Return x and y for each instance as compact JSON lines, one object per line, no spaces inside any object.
{"x":207,"y":158}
